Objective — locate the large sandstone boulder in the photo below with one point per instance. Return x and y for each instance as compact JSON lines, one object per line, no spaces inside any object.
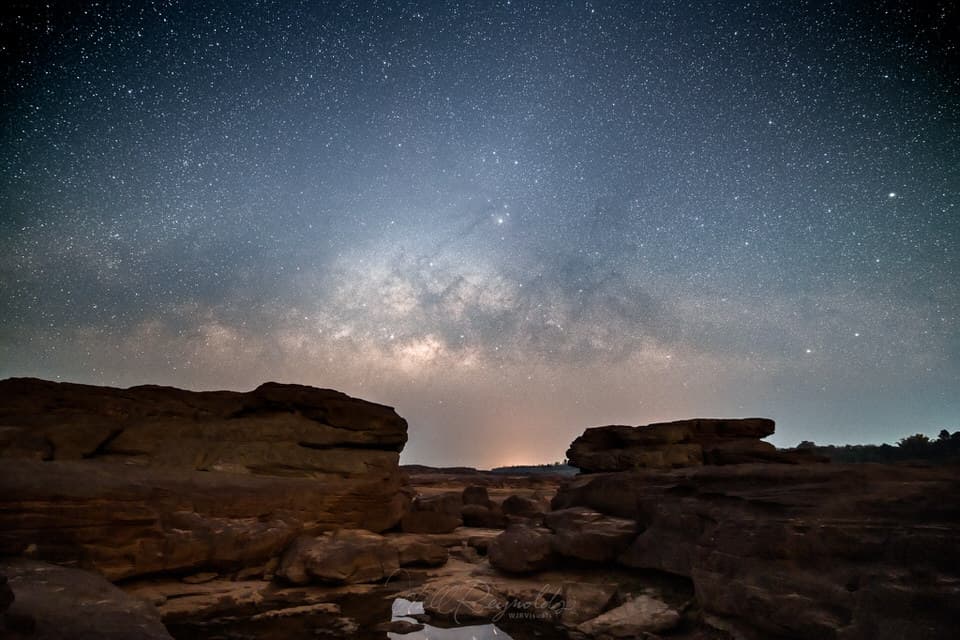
{"x":798,"y":551}
{"x":439,"y":513}
{"x":589,"y":535}
{"x":342,"y":557}
{"x":523,"y":510}
{"x":668,"y":445}
{"x":153,"y":479}
{"x":58,"y":603}
{"x":521,"y":549}
{"x":352,"y":556}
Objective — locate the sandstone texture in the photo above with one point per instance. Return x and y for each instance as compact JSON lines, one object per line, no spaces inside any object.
{"x":275,"y":430}
{"x":521,"y":549}
{"x":59,"y":603}
{"x":153,"y":479}
{"x":797,"y":551}
{"x":632,"y":619}
{"x":668,"y":445}
{"x":440,"y":513}
{"x":355,"y":556}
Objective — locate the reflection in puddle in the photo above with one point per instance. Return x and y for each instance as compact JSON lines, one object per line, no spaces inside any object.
{"x":403,"y":609}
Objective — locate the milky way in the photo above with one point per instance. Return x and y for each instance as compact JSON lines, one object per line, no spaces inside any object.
{"x":510,"y":220}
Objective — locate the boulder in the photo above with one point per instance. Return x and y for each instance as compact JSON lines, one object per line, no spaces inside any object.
{"x":475,"y":515}
{"x":615,"y":494}
{"x":583,"y":601}
{"x":589,"y":535}
{"x":434,"y":514}
{"x":58,"y":603}
{"x":521,"y":549}
{"x":152,"y":479}
{"x":524,"y":510}
{"x":342,"y":557}
{"x":632,"y":619}
{"x":419,"y":552}
{"x":461,"y":599}
{"x":352,"y":556}
{"x":476,"y":495}
{"x":668,"y":445}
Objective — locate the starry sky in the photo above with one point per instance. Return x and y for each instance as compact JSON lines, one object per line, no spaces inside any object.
{"x":509,"y":220}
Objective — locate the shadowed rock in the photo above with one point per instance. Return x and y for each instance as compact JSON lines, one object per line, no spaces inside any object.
{"x":589,"y":535}
{"x":632,"y":619}
{"x":434,"y":514}
{"x":521,"y":549}
{"x":826,"y":551}
{"x":54,"y":603}
{"x":668,"y":445}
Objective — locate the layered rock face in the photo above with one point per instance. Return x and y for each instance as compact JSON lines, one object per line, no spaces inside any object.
{"x":150,"y":479}
{"x":276,"y":429}
{"x":668,"y":445}
{"x":797,"y":551}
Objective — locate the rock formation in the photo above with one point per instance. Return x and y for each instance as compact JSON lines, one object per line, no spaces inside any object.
{"x":355,"y":556}
{"x":779,"y":550}
{"x":153,"y":479}
{"x":54,"y":603}
{"x":668,"y":445}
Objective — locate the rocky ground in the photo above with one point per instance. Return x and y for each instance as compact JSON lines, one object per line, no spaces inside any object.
{"x":283,"y":513}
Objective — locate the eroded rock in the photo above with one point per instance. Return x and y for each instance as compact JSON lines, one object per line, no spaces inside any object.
{"x":54,"y":603}
{"x":589,"y":535}
{"x":826,"y":551}
{"x":639,"y":615}
{"x":668,"y":445}
{"x":153,"y":479}
{"x":521,"y":549}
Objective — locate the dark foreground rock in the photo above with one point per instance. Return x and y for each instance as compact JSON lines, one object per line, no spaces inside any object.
{"x":521,"y":549}
{"x":58,"y":603}
{"x":440,"y":513}
{"x":153,"y":479}
{"x":791,"y":551}
{"x":355,"y":556}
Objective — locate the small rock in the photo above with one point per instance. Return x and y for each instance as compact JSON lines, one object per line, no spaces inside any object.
{"x":400,"y":626}
{"x":476,"y":495}
{"x":583,"y":601}
{"x":199,"y":578}
{"x":635,"y":617}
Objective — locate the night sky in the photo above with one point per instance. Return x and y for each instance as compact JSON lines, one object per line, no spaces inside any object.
{"x":509,"y":220}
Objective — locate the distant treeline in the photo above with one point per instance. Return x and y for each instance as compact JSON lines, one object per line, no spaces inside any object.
{"x":945,"y":448}
{"x":554,"y":468}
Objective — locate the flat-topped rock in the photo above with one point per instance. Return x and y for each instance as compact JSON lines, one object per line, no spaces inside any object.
{"x":155,"y":479}
{"x":276,"y":429}
{"x":667,"y":445}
